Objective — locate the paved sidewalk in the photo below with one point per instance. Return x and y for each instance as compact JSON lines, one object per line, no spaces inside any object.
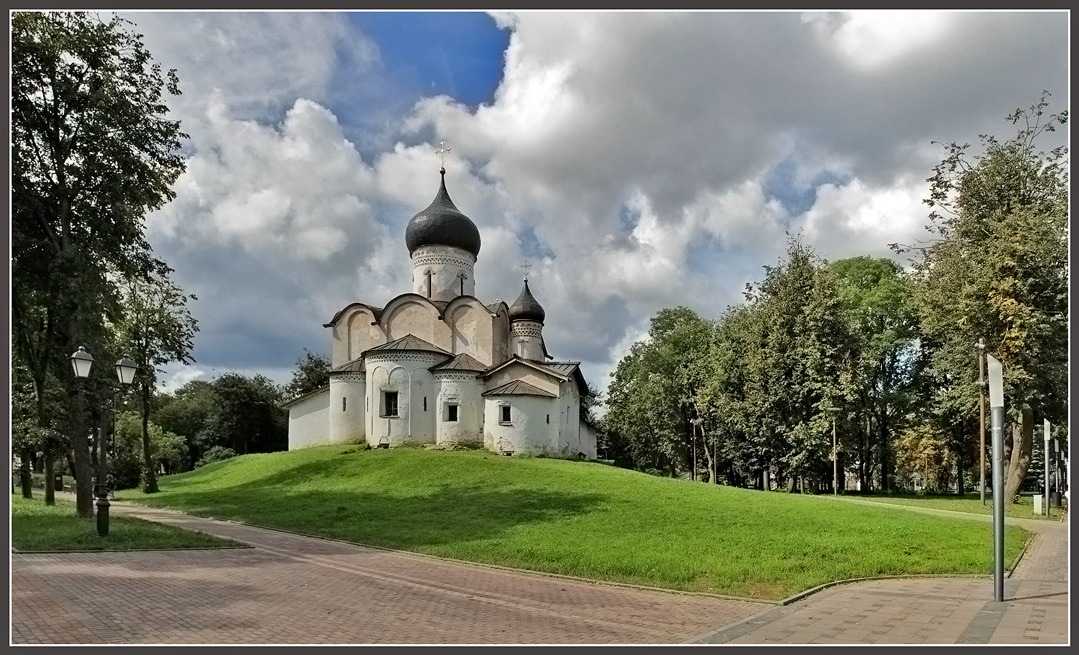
{"x":929,"y":610}
{"x":294,"y":589}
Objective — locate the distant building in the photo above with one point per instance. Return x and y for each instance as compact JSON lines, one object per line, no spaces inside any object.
{"x":435,"y":365}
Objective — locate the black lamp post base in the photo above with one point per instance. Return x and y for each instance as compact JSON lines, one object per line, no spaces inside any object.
{"x":102,"y":514}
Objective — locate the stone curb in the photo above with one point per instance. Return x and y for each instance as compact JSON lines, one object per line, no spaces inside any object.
{"x":15,"y":551}
{"x":834,"y":583}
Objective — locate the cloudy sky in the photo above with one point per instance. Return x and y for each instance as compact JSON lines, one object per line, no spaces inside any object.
{"x":635,"y":160}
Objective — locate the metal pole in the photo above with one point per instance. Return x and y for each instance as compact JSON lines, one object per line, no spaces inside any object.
{"x":835,"y":462}
{"x":996,"y":402}
{"x":981,"y":419}
{"x":998,"y":504}
{"x":1048,"y":461}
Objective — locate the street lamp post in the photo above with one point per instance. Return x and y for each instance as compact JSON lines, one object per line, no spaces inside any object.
{"x":996,"y":403}
{"x":981,"y":419}
{"x":81,"y":363}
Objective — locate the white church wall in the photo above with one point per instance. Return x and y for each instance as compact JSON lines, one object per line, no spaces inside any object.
{"x":471,"y":329}
{"x":500,"y":336}
{"x":588,"y":441}
{"x":573,"y":435}
{"x":309,"y":421}
{"x":445,"y":265}
{"x":347,"y":401}
{"x":352,"y":334}
{"x":412,"y":315}
{"x":363,"y":333}
{"x":463,"y":390}
{"x":529,"y":430}
{"x":407,"y":374}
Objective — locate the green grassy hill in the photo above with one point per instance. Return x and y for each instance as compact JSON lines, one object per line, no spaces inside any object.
{"x":579,"y":518}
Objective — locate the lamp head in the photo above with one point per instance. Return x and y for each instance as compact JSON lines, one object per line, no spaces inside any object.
{"x":125,"y":370}
{"x":81,"y":362}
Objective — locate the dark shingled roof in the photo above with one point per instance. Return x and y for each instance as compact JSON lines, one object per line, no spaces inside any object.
{"x":525,"y":308}
{"x":462,"y":362}
{"x":407,"y":342}
{"x":565,"y":368}
{"x":351,"y":366}
{"x":518,"y":388}
{"x":304,"y":396}
{"x":442,"y":224}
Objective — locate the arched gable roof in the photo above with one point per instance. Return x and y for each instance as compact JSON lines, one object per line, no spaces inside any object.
{"x":460,"y":300}
{"x":375,"y":311}
{"x":404,"y":298}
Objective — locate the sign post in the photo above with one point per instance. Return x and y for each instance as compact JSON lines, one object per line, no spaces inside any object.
{"x":996,"y":403}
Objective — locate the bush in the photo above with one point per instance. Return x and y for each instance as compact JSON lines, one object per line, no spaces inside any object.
{"x":215,"y":454}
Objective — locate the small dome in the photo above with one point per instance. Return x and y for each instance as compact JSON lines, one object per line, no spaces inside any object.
{"x":442,"y":224}
{"x":525,"y":308}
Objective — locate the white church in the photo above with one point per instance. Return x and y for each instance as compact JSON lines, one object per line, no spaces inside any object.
{"x":436,"y":365}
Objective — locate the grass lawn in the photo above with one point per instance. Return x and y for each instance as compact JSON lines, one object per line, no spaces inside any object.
{"x":969,"y":503}
{"x":578,"y":518}
{"x":36,"y":526}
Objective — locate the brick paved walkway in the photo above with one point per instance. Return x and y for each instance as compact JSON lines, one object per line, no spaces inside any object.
{"x":929,"y":610}
{"x":293,"y":589}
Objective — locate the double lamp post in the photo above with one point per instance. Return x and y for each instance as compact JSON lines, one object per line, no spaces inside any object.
{"x":81,"y":363}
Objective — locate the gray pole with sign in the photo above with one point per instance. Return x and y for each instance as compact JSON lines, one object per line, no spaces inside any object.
{"x":996,"y":402}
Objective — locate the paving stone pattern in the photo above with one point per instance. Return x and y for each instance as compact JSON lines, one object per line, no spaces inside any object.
{"x":294,"y":589}
{"x":929,"y":610}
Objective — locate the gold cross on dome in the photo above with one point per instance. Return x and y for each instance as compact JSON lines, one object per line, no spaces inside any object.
{"x":443,"y":148}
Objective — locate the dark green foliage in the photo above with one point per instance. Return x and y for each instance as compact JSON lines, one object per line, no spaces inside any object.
{"x":92,"y":151}
{"x":997,"y":270}
{"x":312,"y":373}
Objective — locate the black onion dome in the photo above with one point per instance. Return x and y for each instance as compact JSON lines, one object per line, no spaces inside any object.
{"x":525,"y":308}
{"x":442,"y":224}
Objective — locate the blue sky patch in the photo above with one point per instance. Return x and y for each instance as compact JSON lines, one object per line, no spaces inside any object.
{"x":432,"y":53}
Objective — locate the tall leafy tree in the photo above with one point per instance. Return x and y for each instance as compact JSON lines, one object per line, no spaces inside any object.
{"x":156,"y":328}
{"x":997,"y":268}
{"x":248,"y":417}
{"x":885,"y":363}
{"x":799,"y":369}
{"x":92,"y":151}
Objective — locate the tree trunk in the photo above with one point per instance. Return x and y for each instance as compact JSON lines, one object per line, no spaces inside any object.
{"x":1022,"y":443}
{"x":863,"y":455}
{"x":882,"y":431}
{"x":149,"y":473}
{"x":50,"y":488}
{"x":707,"y":456}
{"x":26,"y":481}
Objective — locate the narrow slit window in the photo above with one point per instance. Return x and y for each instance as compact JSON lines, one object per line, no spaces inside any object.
{"x":344,"y":403}
{"x":425,"y":403}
